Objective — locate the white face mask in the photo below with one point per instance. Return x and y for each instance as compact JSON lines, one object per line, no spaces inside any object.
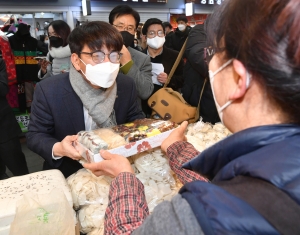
{"x":103,"y":74}
{"x":181,"y":27}
{"x":46,"y":41}
{"x":212,"y":77}
{"x":156,"y":42}
{"x":135,"y":45}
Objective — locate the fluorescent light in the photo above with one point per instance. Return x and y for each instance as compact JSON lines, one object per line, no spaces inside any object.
{"x":189,"y":9}
{"x":86,"y":7}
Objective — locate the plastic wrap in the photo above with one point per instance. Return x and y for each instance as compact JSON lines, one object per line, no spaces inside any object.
{"x":88,"y":189}
{"x":120,"y":135}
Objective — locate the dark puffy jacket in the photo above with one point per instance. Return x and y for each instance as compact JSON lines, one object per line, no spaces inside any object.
{"x":25,"y":49}
{"x":178,"y":38}
{"x":194,"y":73}
{"x":269,"y":153}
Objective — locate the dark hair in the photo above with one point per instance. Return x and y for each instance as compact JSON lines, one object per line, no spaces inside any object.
{"x":167,"y":24}
{"x":62,"y":29}
{"x":121,"y":10}
{"x":95,"y":34}
{"x":264,"y":36}
{"x":149,"y":22}
{"x":182,"y":18}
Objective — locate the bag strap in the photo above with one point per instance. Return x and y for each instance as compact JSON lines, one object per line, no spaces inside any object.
{"x":176,"y":63}
{"x":198,"y":107}
{"x":273,"y":204}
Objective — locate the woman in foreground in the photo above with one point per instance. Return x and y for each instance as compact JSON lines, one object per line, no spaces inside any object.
{"x":255,"y":78}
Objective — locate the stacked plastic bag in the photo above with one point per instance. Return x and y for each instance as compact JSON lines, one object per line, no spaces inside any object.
{"x":90,"y":193}
{"x":203,"y":135}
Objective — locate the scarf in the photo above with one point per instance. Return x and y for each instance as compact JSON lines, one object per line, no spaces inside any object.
{"x":98,"y":102}
{"x":60,"y":52}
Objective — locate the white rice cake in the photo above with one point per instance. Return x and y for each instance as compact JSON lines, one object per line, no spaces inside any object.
{"x":13,"y":189}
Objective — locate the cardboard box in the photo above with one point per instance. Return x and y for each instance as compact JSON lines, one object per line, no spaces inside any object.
{"x":126,"y":150}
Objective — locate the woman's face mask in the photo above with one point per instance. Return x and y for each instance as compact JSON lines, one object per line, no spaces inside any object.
{"x":56,"y":41}
{"x":103,"y":74}
{"x":212,"y":78}
{"x":156,"y":42}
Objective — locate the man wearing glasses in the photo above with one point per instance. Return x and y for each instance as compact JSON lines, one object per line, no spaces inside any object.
{"x":133,"y":63}
{"x":93,"y":95}
{"x":162,"y":59}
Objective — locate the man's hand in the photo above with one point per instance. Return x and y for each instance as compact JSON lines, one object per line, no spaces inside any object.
{"x":126,"y":56}
{"x":66,"y":148}
{"x":176,"y":135}
{"x":162,"y":77}
{"x":112,"y":165}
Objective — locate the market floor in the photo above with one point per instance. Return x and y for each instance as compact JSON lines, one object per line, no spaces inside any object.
{"x":34,"y":161}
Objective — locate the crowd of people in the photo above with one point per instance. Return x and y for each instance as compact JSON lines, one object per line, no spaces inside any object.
{"x":246,"y":57}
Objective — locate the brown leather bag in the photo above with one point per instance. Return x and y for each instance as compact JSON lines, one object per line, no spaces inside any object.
{"x":168,"y":104}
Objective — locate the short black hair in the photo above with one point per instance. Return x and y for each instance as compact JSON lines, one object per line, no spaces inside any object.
{"x":95,"y":34}
{"x":62,"y":29}
{"x":182,"y":18}
{"x":167,"y":24}
{"x":151,"y":21}
{"x":121,"y":10}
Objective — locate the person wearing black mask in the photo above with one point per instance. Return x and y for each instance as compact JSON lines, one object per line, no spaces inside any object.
{"x":58,"y":58}
{"x":133,"y":63}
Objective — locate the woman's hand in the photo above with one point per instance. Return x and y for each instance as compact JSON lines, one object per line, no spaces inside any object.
{"x":44,"y":64}
{"x":112,"y":165}
{"x":66,"y":148}
{"x":176,"y":135}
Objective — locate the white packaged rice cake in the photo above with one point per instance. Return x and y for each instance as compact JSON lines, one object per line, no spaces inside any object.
{"x":13,"y":189}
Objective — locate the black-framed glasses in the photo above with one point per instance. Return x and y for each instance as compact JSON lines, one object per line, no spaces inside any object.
{"x":128,"y":28}
{"x":99,"y":56}
{"x":152,"y":34}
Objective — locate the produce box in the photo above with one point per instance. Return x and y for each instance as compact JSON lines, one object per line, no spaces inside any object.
{"x":126,"y":139}
{"x":13,"y":189}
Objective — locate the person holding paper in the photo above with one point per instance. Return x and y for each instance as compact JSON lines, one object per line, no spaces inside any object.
{"x":162,"y":59}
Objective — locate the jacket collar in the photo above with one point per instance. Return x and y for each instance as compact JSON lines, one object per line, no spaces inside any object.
{"x":246,"y":152}
{"x":60,"y":52}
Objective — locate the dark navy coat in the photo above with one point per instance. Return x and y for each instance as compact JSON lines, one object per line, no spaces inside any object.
{"x":57,"y":111}
{"x":270,"y":153}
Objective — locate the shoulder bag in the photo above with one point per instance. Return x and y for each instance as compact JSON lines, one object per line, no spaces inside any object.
{"x":168,"y":104}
